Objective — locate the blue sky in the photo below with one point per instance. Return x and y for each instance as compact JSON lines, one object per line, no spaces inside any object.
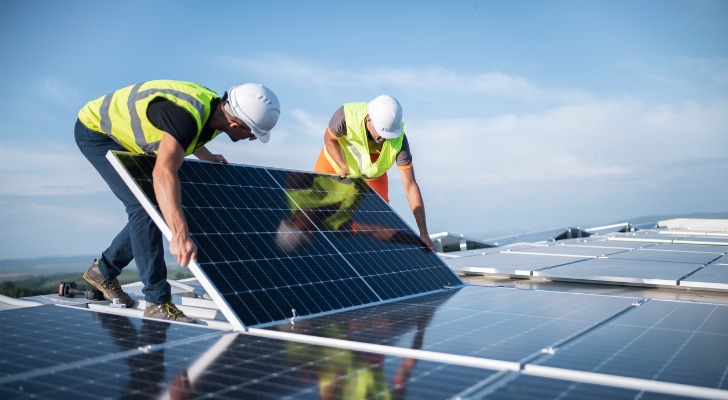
{"x":521,"y":115}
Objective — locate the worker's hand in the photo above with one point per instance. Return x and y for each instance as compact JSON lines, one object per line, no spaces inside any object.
{"x":344,"y":171}
{"x":425,"y":238}
{"x":204,"y":154}
{"x":218,"y":158}
{"x":183,"y":248}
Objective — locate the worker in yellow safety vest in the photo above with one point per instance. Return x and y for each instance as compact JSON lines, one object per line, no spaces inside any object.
{"x":169,"y":119}
{"x":365,"y":140}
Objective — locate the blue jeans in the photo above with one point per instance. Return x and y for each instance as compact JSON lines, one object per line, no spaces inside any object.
{"x":140,"y":239}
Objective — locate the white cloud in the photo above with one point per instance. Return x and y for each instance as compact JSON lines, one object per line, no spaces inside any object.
{"x":610,"y":139}
{"x":57,"y":91}
{"x":47,"y":170}
{"x":715,"y":69}
{"x":424,"y":81}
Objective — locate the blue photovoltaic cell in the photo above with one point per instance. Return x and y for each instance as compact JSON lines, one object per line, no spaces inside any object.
{"x":494,"y":323}
{"x":87,"y":355}
{"x":274,"y":241}
{"x":522,"y":387}
{"x":48,"y":337}
{"x":668,"y":341}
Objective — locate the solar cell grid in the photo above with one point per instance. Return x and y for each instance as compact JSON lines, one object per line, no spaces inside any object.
{"x":147,"y":359}
{"x":530,"y":387}
{"x":493,"y":323}
{"x":40,"y":340}
{"x":661,"y":340}
{"x":273,"y":241}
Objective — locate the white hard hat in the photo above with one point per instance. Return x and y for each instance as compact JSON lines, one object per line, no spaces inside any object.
{"x":257,"y":106}
{"x":386,"y":115}
{"x":289,"y":238}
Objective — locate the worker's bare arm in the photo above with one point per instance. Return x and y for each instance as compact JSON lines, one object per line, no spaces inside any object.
{"x":169,"y":197}
{"x":417,"y":205}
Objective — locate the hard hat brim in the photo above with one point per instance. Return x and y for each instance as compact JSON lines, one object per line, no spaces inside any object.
{"x":391,"y":135}
{"x":263,"y":137}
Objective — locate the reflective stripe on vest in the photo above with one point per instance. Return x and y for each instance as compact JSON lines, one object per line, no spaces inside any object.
{"x":355,"y":145}
{"x":146,"y":137}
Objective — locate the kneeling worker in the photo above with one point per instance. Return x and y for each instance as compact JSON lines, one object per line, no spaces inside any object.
{"x":171,"y":119}
{"x":364,"y":140}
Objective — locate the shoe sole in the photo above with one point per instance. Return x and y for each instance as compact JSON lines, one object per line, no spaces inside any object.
{"x":191,"y":321}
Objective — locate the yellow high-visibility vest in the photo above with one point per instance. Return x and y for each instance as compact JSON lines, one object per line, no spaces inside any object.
{"x":355,"y":146}
{"x":122,"y":115}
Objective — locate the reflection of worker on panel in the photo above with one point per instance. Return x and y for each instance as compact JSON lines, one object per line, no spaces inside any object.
{"x":349,"y":374}
{"x":328,"y":202}
{"x":147,"y":368}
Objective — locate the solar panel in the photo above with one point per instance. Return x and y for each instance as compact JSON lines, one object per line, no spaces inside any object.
{"x":87,"y":355}
{"x":39,"y":341}
{"x":594,"y":343}
{"x":511,"y":263}
{"x":573,"y":250}
{"x":654,"y":254}
{"x":595,"y":241}
{"x":691,"y":244}
{"x":495,"y":323}
{"x":622,"y":271}
{"x":274,"y":244}
{"x":668,"y":341}
{"x":712,"y":276}
{"x":521,"y":386}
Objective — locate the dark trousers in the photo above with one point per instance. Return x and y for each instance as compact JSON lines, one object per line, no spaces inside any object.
{"x":140,"y":239}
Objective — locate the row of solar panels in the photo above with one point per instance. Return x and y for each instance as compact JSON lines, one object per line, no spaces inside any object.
{"x":653,"y":257}
{"x":470,"y":342}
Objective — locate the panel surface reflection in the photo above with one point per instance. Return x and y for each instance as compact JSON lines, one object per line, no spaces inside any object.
{"x":489,"y":322}
{"x":138,"y":360}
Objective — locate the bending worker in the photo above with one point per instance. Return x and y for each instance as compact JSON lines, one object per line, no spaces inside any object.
{"x":364,"y":140}
{"x":171,"y":119}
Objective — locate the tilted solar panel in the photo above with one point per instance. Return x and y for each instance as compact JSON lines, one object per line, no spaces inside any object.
{"x":274,"y":244}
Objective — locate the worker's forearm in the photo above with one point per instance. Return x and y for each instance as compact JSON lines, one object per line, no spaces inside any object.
{"x":417,"y":206}
{"x":420,"y":219}
{"x":203,"y":153}
{"x":169,"y":198}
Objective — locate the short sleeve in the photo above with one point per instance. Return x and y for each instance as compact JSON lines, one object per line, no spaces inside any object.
{"x":337,"y":124}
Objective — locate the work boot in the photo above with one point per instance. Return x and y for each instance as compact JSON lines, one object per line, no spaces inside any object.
{"x":109,"y":287}
{"x":167,"y":311}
